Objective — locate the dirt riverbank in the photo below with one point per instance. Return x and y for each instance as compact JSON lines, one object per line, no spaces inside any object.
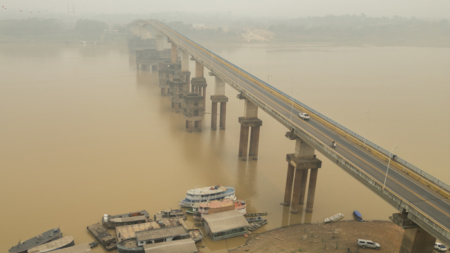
{"x":318,"y":238}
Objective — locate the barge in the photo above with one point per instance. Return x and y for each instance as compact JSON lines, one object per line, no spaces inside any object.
{"x":103,"y":236}
{"x":112,"y":221}
{"x":170,"y":213}
{"x":220,"y":206}
{"x":129,"y":236}
{"x":64,"y":242}
{"x":40,"y":239}
{"x":195,"y":197}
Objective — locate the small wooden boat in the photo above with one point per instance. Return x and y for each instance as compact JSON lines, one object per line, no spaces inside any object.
{"x":334,"y":218}
{"x":254,"y":219}
{"x":255,"y":225}
{"x":357,"y":215}
{"x":60,"y":243}
{"x":93,"y":244}
{"x":255,"y":214}
{"x":195,"y":234}
{"x":103,"y":236}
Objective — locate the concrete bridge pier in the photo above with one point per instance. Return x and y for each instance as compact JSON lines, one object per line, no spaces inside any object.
{"x":299,"y":163}
{"x":415,"y":239}
{"x":159,"y":42}
{"x":185,"y":67}
{"x":250,"y":120}
{"x":218,"y":97}
{"x":174,"y":53}
{"x":198,"y":82}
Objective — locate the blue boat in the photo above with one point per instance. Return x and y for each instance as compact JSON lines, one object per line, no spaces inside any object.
{"x":357,"y":216}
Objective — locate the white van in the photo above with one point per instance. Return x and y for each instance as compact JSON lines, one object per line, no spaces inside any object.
{"x":367,"y":244}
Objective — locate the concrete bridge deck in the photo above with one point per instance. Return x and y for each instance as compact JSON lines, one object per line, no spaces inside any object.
{"x":428,"y":209}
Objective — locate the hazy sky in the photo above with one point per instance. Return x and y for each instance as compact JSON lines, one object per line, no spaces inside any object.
{"x":265,"y":8}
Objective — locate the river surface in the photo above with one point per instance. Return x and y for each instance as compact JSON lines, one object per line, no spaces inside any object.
{"x":83,"y":134}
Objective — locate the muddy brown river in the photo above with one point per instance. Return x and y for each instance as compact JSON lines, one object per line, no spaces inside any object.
{"x":83,"y":134}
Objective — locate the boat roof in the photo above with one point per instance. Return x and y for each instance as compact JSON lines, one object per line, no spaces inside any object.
{"x":129,"y":231}
{"x":206,"y":190}
{"x":227,"y":220}
{"x":82,"y":248}
{"x":160,"y":233}
{"x":129,"y":219}
{"x":217,"y":204}
{"x":178,"y":246}
{"x":141,"y":213}
{"x":357,"y":213}
{"x":56,"y":244}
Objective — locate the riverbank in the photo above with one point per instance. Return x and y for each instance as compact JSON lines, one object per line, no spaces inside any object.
{"x":318,"y":238}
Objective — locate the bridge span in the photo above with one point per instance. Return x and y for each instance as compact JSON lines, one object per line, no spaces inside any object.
{"x":422,"y":201}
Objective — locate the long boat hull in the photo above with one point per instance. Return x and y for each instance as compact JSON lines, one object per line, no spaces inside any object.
{"x":45,"y":237}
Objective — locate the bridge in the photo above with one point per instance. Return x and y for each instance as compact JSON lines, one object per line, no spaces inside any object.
{"x":422,"y":200}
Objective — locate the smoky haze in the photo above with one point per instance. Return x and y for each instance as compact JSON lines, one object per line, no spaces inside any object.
{"x":436,"y":9}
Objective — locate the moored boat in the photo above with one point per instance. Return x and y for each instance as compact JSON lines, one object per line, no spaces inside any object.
{"x":254,"y":219}
{"x":45,"y":237}
{"x":357,"y":215}
{"x":112,"y":221}
{"x":103,"y":236}
{"x":196,"y":196}
{"x":173,"y":232}
{"x":63,"y":242}
{"x":170,"y":213}
{"x":334,"y":218}
{"x":218,"y":206}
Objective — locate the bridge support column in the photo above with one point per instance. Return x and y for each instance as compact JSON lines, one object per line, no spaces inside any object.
{"x":415,"y":239}
{"x":159,"y":42}
{"x":218,"y":97}
{"x":223,"y":115}
{"x":250,"y":119}
{"x":301,"y":161}
{"x":174,"y":53}
{"x":213,"y":115}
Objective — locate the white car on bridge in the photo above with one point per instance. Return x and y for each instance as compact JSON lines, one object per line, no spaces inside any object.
{"x":303,"y":115}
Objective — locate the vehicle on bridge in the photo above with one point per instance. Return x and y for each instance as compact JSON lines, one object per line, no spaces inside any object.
{"x":440,"y":247}
{"x":303,"y":115}
{"x":367,"y":244}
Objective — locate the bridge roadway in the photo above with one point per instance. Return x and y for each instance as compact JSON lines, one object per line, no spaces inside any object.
{"x":427,"y":203}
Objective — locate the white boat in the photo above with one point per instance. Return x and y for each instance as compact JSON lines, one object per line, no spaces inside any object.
{"x":334,"y":218}
{"x":195,"y":197}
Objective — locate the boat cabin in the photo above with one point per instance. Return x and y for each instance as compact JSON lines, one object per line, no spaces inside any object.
{"x":165,"y":234}
{"x":179,"y":246}
{"x":225,"y":225}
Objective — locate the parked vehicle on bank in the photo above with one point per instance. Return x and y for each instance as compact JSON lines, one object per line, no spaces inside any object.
{"x":367,"y":244}
{"x":440,"y":247}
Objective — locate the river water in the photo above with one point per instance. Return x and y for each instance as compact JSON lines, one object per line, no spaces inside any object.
{"x":83,"y":134}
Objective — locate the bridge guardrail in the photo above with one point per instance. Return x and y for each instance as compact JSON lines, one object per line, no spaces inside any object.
{"x":336,"y":124}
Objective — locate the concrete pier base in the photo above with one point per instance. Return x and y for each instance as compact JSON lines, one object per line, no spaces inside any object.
{"x":289,"y":182}
{"x":223,"y":115}
{"x":214,"y":115}
{"x":415,"y":239}
{"x":311,"y":190}
{"x":215,"y":100}
{"x":301,"y":161}
{"x":254,"y":142}
{"x":255,"y":124}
